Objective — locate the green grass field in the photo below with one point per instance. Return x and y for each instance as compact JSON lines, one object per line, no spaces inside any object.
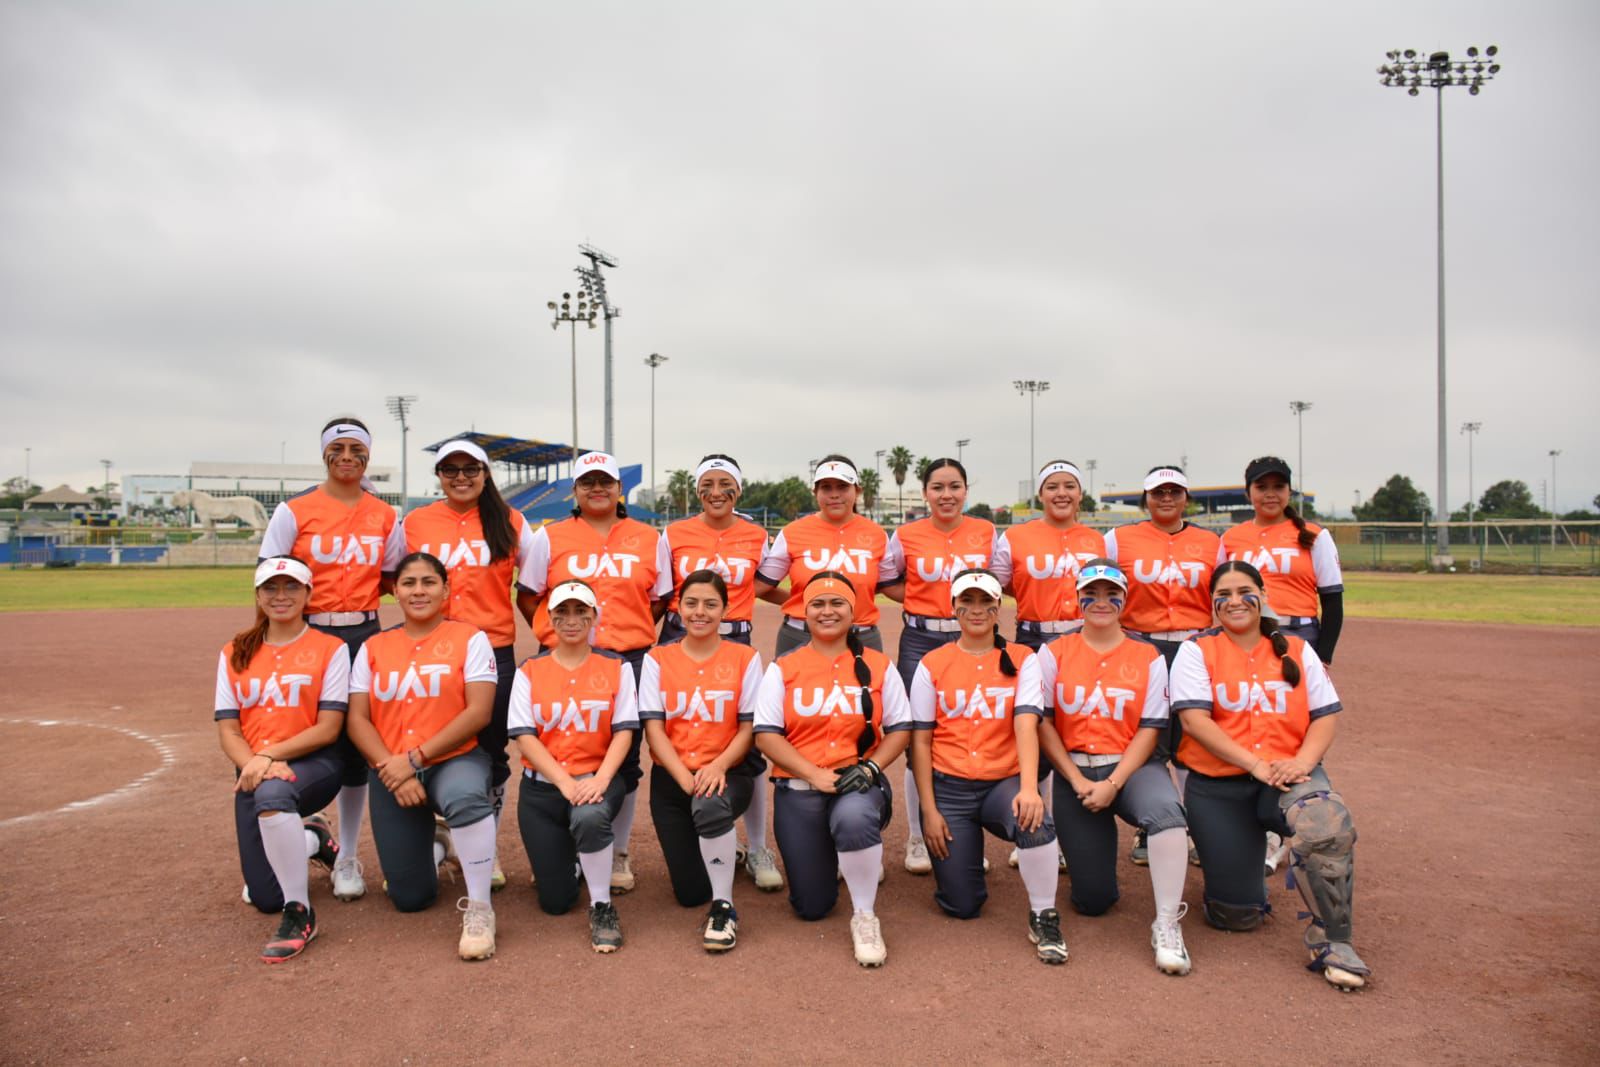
{"x":1541,"y":601}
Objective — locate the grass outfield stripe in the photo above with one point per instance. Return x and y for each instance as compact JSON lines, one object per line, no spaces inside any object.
{"x":1532,"y":600}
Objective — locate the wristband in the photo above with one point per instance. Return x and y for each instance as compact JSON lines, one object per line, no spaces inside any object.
{"x":877,"y":771}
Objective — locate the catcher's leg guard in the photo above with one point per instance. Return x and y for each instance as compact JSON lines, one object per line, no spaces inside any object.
{"x":1323,"y":853}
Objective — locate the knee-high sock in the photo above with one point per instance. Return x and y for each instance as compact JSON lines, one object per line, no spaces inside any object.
{"x":312,"y":844}
{"x":475,"y":846}
{"x":597,"y":873}
{"x":622,"y":825}
{"x":1040,"y":869}
{"x":1169,"y":866}
{"x":717,"y":853}
{"x":755,"y":816}
{"x":284,"y":840}
{"x":352,"y":805}
{"x":860,"y":869}
{"x":913,"y":804}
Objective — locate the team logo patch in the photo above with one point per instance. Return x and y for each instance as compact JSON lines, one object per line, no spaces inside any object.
{"x":305,"y":658}
{"x":631,"y":541}
{"x":373,"y":520}
{"x":864,"y":538}
{"x":723,"y":672}
{"x":598,"y":680}
{"x":1128,"y":672}
{"x":444,"y":647}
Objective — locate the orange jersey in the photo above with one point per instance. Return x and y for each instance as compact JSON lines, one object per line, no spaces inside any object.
{"x":970,"y":705}
{"x":480,"y":588}
{"x":1247,"y":696}
{"x":1097,"y":701}
{"x":815,"y":703}
{"x":1040,"y":564}
{"x":415,"y":688}
{"x":575,"y":713}
{"x":858,"y":549}
{"x":628,"y":569}
{"x":279,"y":694}
{"x":347,"y":546}
{"x":734,"y":553}
{"x":1293,"y":575}
{"x":701,"y":704}
{"x":928,"y":559}
{"x":1169,"y":575}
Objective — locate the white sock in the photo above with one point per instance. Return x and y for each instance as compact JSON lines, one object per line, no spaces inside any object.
{"x":913,"y":804}
{"x":283,"y":839}
{"x":717,"y":853}
{"x":312,"y":843}
{"x":622,"y":825}
{"x":1041,"y":869}
{"x":597,"y":873}
{"x":475,"y":845}
{"x":352,"y":806}
{"x":860,"y":869}
{"x":439,"y":853}
{"x":1169,"y":866}
{"x":755,"y":816}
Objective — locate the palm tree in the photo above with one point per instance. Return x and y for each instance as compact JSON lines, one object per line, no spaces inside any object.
{"x":899,"y":463}
{"x":869,"y":489}
{"x":680,"y":484}
{"x":923,"y":464}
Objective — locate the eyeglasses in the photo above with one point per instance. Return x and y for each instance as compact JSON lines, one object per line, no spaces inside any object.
{"x":471,"y":470}
{"x":1167,"y":490}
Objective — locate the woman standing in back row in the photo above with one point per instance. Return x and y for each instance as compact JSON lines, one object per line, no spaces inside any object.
{"x":1039,"y":560}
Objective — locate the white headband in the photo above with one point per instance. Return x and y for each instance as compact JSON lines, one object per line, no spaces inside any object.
{"x":345,"y":429}
{"x":1165,"y":476}
{"x":465,"y":447}
{"x":836,"y":470}
{"x":572,"y":591}
{"x":981,"y":580}
{"x":271,"y":568}
{"x":1062,"y":467}
{"x":715,"y":464}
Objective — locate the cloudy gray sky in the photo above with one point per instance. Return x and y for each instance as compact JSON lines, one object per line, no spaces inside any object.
{"x":848,"y":225}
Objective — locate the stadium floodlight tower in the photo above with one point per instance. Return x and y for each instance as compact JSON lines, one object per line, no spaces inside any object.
{"x":653,"y":360}
{"x":399,"y":407}
{"x":1031,"y":389}
{"x":1408,"y":70}
{"x":1299,"y":407}
{"x":595,"y":282}
{"x":1471,"y":430}
{"x":565,"y":312}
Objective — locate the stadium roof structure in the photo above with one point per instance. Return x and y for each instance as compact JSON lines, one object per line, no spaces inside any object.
{"x":517,"y":451}
{"x":1210,"y":497}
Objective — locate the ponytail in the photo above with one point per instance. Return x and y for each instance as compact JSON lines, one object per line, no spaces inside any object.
{"x":1280,"y":645}
{"x":494,"y":515}
{"x":1007,"y":668}
{"x":246,"y":643}
{"x":1306,"y":538}
{"x":868,"y":736}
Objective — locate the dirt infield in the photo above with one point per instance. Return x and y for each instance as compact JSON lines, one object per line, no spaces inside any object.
{"x":123,"y":940}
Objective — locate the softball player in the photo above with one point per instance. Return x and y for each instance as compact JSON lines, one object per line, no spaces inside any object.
{"x":830,"y":715}
{"x":345,"y":534}
{"x":1169,"y":562}
{"x":282,"y":692}
{"x":697,"y":701}
{"x":480,"y":540}
{"x":420,"y":693}
{"x":720,"y":540}
{"x":628,"y":566}
{"x":574,"y":715}
{"x":928,"y":553}
{"x":1105,"y":694}
{"x":977,"y":762}
{"x":1038,"y":560}
{"x":1259,"y":714}
{"x":835,"y":538}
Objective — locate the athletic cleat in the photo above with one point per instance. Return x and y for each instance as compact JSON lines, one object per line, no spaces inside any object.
{"x":762,"y":867}
{"x":348,"y":884}
{"x":497,"y":880}
{"x":1015,"y":858}
{"x":244,"y":894}
{"x":722,"y":927}
{"x":477,"y":929}
{"x":296,"y":930}
{"x":740,"y":852}
{"x":986,"y":865}
{"x":621,"y":873}
{"x":1337,"y":960}
{"x":1277,"y":851}
{"x":867,"y":936}
{"x":1166,"y":937}
{"x":1044,"y":930}
{"x":441,"y":836}
{"x":605,"y":929}
{"x":1140,"y":853}
{"x":327,"y":847}
{"x":1061,"y":853}
{"x":1194,"y":854}
{"x":917,"y":861}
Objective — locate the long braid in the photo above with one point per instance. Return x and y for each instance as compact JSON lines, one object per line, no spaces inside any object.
{"x":1280,"y":645}
{"x":1007,"y":668}
{"x":868,"y":737}
{"x":1306,"y":537}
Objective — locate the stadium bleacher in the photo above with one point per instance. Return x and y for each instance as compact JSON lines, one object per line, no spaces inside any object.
{"x":537,"y":479}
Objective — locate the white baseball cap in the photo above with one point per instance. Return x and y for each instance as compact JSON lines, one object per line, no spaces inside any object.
{"x":572,"y":591}
{"x":836,"y":469}
{"x":464,"y":447}
{"x":268,"y":569}
{"x":1165,"y":476}
{"x":980,"y":580}
{"x":604,"y":462}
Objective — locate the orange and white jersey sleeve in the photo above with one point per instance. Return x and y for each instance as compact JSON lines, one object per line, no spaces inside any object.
{"x":415,"y":688}
{"x":346,"y":546}
{"x":928,"y":559}
{"x":735,"y":553}
{"x":574,"y":713}
{"x":1294,"y":576}
{"x":533,"y":563}
{"x":1098,"y":701}
{"x":815,"y":702}
{"x":1245,"y":694}
{"x":701,"y":704}
{"x":1041,"y":564}
{"x":970,"y":703}
{"x":284,"y":687}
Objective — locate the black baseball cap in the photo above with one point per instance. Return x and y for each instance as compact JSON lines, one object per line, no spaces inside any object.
{"x":1260,"y":468}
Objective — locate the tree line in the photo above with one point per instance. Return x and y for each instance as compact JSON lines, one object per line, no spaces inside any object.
{"x":1399,"y":500}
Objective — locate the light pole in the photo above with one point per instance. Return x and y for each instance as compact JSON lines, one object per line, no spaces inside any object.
{"x":595,"y":282}
{"x":1092,"y":466}
{"x":27,"y":470}
{"x":105,"y":483}
{"x":399,"y":406}
{"x":1031,"y":388}
{"x":653,"y":360}
{"x":1554,"y":510}
{"x":1405,"y":71}
{"x":564,"y":312}
{"x":960,"y":446}
{"x":1471,"y":430}
{"x":1300,"y":407}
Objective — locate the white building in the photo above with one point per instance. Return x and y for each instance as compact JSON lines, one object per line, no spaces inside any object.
{"x":267,"y":482}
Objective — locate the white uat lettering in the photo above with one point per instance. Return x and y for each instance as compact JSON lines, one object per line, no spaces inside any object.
{"x":984,"y":702}
{"x":846,"y":560}
{"x":703,"y":705}
{"x":942,"y":569}
{"x":571,"y":716}
{"x":1168,"y":572}
{"x":1270,"y":560}
{"x":1269,"y":698}
{"x":460,"y":554}
{"x":1107,"y":702}
{"x":1049,"y":565}
{"x":363,"y":550}
{"x":839,"y":700}
{"x":416,"y":681}
{"x":278,"y":691}
{"x":733,"y":571}
{"x":601,"y":565}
